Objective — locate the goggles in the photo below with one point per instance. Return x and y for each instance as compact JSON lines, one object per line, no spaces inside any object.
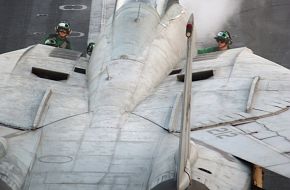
{"x":221,"y":40}
{"x":62,"y":31}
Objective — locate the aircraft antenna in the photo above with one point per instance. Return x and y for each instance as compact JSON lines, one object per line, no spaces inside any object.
{"x":185,"y":154}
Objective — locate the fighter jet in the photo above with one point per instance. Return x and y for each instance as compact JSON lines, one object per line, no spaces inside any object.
{"x":143,"y":112}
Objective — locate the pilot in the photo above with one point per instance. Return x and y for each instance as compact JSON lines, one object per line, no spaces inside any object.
{"x":224,"y":41}
{"x":59,"y":39}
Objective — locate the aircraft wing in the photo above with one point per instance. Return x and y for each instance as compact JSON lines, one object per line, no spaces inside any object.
{"x":243,"y":109}
{"x":44,"y":103}
{"x":33,"y":77}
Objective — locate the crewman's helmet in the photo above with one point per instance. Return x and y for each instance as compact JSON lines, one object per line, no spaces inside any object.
{"x":90,"y":48}
{"x":224,"y":36}
{"x":50,"y":42}
{"x":63,"y":26}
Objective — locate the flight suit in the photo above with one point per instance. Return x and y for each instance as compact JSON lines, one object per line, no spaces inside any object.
{"x":56,"y":41}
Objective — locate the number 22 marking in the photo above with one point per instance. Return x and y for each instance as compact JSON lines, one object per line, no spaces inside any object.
{"x":222,"y":133}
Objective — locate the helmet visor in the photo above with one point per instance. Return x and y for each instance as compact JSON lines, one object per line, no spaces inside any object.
{"x":63,"y":31}
{"x":221,"y":39}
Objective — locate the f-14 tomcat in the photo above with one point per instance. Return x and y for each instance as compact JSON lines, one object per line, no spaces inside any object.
{"x":140,"y":114}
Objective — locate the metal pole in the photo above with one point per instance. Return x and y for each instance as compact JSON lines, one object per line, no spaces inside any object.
{"x":183,"y":177}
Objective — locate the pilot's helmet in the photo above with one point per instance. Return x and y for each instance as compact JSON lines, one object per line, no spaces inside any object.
{"x":224,"y":36}
{"x":63,"y":26}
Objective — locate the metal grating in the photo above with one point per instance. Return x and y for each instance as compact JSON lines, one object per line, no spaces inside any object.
{"x":65,"y":54}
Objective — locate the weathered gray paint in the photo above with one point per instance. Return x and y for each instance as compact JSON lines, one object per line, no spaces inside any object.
{"x":113,"y":134}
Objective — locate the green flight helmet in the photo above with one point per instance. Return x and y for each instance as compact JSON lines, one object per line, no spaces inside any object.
{"x":90,"y":48}
{"x":224,"y":36}
{"x":63,"y":26}
{"x":50,"y":42}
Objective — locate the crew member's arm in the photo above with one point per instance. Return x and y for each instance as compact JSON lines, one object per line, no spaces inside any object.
{"x":207,"y":50}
